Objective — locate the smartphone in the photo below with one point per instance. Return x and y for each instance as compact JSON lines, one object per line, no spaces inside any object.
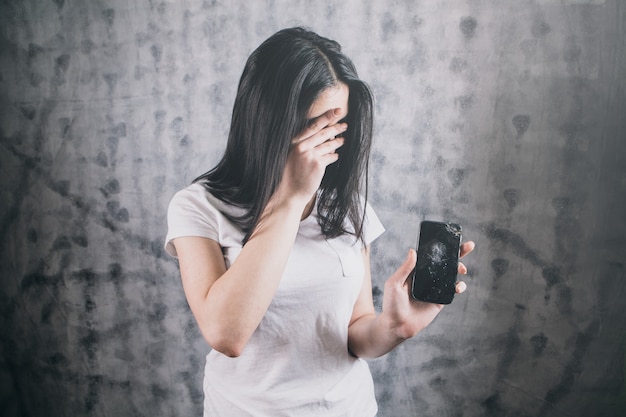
{"x":434,"y":276}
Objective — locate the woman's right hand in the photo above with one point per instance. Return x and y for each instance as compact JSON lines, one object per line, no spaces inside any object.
{"x":311,"y":152}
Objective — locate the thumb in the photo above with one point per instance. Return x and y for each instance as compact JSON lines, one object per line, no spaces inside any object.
{"x":403,"y":271}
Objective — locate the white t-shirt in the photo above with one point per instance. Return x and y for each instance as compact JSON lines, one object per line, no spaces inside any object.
{"x":296,"y":363}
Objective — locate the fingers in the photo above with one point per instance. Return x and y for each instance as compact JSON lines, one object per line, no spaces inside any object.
{"x":319,"y":138}
{"x":317,"y":124}
{"x":320,"y":130}
{"x":330,"y":146}
{"x":321,"y":148}
{"x":466,"y":248}
{"x":328,"y":158}
{"x":320,"y":156}
{"x":400,"y":276}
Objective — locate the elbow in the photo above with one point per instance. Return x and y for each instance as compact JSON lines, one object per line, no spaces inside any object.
{"x":226,"y":342}
{"x":228,"y":349}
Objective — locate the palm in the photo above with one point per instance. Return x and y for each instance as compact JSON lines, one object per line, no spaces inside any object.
{"x":409,"y":316}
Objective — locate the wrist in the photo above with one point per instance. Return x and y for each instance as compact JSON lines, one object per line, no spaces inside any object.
{"x":396,"y":329}
{"x":298,"y":203}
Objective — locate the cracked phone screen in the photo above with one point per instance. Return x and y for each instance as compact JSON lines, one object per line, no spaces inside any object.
{"x":434,"y":278}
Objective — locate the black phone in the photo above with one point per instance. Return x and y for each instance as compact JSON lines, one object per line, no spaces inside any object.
{"x":434,"y":276}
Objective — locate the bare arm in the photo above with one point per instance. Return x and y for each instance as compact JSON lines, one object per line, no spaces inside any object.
{"x":229,"y":304}
{"x":371,"y":335}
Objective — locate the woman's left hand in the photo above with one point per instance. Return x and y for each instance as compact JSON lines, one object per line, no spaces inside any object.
{"x":405,"y":315}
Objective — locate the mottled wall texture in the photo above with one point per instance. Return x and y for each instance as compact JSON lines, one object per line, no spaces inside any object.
{"x":505,"y":116}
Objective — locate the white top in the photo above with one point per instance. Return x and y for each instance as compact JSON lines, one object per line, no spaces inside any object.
{"x":296,"y":362}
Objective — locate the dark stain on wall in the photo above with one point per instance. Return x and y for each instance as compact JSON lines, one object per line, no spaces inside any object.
{"x":468,"y":26}
{"x":521,"y":123}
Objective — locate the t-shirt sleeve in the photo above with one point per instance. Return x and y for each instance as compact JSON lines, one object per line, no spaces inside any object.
{"x":189,"y":214}
{"x":372,"y":228}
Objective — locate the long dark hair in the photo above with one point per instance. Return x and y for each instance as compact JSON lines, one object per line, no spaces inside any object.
{"x":281,"y":80}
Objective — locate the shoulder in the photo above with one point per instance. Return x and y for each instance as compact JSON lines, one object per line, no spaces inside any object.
{"x":197,"y":197}
{"x":194,"y":193}
{"x":194,"y":211}
{"x":190,"y":202}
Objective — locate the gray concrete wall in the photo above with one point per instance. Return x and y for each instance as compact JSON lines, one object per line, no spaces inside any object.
{"x":506,"y":116}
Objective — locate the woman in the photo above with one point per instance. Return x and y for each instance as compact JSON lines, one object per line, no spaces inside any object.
{"x":273,"y":243}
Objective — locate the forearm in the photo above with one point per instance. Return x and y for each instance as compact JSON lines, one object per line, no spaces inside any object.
{"x":229,"y":304}
{"x":375,"y":335}
{"x":371,"y":335}
{"x":245,"y":291}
